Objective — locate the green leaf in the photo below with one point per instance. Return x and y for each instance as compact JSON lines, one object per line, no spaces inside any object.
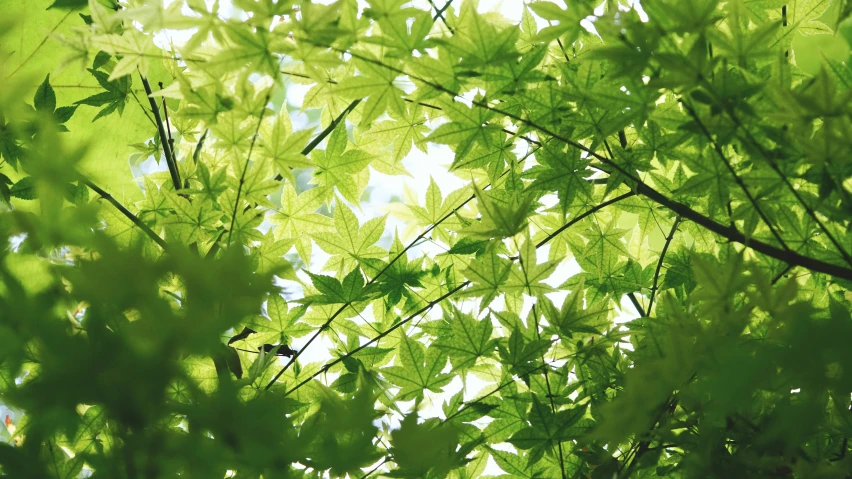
{"x":501,"y":220}
{"x":351,"y":242}
{"x":69,"y":4}
{"x":25,"y":189}
{"x":45,"y":97}
{"x":488,"y":273}
{"x":469,"y":340}
{"x":419,"y":370}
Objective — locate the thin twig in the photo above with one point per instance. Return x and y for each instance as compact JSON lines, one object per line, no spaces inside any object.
{"x":371,"y":471}
{"x":246,"y":166}
{"x":660,"y":264}
{"x":590,"y":211}
{"x":546,"y":370}
{"x":377,"y":338}
{"x":381,"y":272}
{"x":424,"y":309}
{"x":325,"y":132}
{"x":135,"y":219}
{"x":439,"y":13}
{"x":772,"y":164}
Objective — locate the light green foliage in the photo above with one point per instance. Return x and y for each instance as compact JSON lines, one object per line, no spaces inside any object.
{"x":645,"y":272}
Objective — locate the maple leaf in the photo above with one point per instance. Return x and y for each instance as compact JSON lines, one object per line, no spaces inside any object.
{"x":351,"y":242}
{"x":488,"y":274}
{"x":419,"y":369}
{"x":344,"y":169}
{"x":377,"y":85}
{"x":298,"y":218}
{"x":468,"y":340}
{"x":500,"y":219}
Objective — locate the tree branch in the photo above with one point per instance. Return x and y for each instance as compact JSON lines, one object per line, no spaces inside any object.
{"x":135,"y":219}
{"x":737,"y":178}
{"x":580,"y":217}
{"x":640,"y":187}
{"x":422,"y":310}
{"x":375,"y":339}
{"x":164,"y":139}
{"x":325,"y":132}
{"x":774,"y":166}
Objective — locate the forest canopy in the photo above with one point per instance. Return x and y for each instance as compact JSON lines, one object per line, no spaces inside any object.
{"x":625,"y":251}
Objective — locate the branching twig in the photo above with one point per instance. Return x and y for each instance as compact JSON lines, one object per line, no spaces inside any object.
{"x":546,"y":370}
{"x":439,"y":13}
{"x":422,"y":310}
{"x":164,"y":139}
{"x":772,"y":164}
{"x":375,"y":339}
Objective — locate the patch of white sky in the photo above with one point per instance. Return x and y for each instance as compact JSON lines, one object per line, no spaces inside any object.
{"x":389,"y":195}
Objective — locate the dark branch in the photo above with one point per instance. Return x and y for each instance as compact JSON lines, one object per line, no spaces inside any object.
{"x":737,"y":178}
{"x":591,"y":211}
{"x":422,"y":310}
{"x":377,"y":338}
{"x":439,"y":14}
{"x":327,"y":131}
{"x":640,"y":187}
{"x":164,"y":139}
{"x":381,"y":272}
{"x":772,"y":164}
